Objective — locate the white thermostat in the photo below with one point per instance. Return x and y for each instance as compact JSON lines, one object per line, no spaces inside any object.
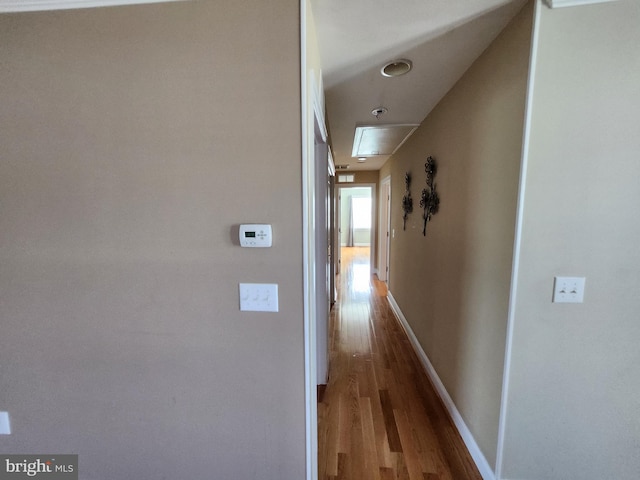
{"x":255,"y":236}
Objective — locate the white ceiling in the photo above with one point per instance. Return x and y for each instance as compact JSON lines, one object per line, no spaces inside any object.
{"x":441,"y":37}
{"x":42,"y":5}
{"x":357,"y":37}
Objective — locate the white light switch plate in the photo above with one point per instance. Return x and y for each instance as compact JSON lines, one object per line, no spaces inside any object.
{"x":259,"y":297}
{"x":5,"y":428}
{"x":568,"y":290}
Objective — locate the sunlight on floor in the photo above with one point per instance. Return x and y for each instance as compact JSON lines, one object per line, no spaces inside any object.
{"x":361,"y":277}
{"x":379,"y":417}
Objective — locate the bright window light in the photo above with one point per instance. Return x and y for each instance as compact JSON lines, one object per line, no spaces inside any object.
{"x":361,"y":212}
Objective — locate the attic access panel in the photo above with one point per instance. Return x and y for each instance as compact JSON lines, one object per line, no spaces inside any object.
{"x":378,"y":140}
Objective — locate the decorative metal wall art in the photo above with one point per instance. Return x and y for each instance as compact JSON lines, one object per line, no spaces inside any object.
{"x":407,"y":201}
{"x":430,"y":200}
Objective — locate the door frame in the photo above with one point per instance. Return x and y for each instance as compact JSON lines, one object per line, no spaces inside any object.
{"x":372,"y":237}
{"x":313,"y":132}
{"x":384,"y":229}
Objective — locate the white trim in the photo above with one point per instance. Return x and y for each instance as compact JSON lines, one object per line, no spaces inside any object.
{"x":515,"y":263}
{"x":374,"y":207}
{"x":42,"y":5}
{"x":384,"y":205}
{"x":465,"y":433}
{"x":308,"y":259}
{"x":573,"y":3}
{"x":332,"y":165}
{"x":318,"y":106}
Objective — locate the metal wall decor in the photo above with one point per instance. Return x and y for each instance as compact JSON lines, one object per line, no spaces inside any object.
{"x":430,"y":200}
{"x":407,"y":201}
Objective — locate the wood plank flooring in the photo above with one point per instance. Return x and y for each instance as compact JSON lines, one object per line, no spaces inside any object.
{"x":380,"y":418}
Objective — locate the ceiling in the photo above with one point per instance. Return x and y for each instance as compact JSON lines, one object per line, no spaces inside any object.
{"x":442,"y":38}
{"x":357,"y":38}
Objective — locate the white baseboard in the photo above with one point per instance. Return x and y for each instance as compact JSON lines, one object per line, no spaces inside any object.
{"x":573,"y":3}
{"x":478,"y":457}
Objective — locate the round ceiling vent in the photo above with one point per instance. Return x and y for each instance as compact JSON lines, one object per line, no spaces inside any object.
{"x":396,"y":68}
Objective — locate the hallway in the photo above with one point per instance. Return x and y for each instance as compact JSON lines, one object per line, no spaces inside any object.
{"x":380,"y":418}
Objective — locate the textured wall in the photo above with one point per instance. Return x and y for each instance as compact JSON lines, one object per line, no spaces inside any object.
{"x":453,"y":284}
{"x":132,"y":140}
{"x":575,"y":382}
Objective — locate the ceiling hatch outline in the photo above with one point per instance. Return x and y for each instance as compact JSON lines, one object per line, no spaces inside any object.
{"x":380,"y":140}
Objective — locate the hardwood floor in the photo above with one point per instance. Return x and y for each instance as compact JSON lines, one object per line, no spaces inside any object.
{"x":380,"y":418}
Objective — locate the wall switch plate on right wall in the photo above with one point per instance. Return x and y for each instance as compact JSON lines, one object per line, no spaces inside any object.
{"x":568,"y":289}
{"x":5,"y":428}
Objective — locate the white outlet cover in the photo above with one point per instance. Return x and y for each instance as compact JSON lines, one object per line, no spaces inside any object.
{"x":568,"y":289}
{"x":5,"y":427}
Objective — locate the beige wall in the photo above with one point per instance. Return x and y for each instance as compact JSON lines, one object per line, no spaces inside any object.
{"x":384,"y":171}
{"x":575,"y":379}
{"x":132,"y":140}
{"x":361,"y":176}
{"x":453,"y":284}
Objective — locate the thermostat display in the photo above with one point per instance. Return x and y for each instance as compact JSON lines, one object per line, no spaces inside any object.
{"x":255,"y":236}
